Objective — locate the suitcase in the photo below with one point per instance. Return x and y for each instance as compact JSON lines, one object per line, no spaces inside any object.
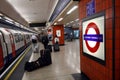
{"x":46,"y":54}
{"x":43,"y":60}
{"x":30,"y":66}
{"x":49,"y":47}
{"x":56,"y":47}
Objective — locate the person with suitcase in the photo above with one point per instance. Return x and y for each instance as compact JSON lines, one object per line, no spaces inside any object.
{"x":44,"y":60}
{"x":56,"y":45}
{"x":56,"y":40}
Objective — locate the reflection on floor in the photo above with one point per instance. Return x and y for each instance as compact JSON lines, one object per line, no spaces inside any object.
{"x":64,"y":63}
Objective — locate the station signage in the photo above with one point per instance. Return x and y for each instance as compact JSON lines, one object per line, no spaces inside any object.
{"x":58,"y":33}
{"x":94,"y":37}
{"x":90,"y":7}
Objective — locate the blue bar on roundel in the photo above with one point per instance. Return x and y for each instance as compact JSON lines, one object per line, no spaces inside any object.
{"x":93,"y":37}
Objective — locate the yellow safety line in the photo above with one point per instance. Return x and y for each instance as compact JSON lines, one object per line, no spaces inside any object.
{"x":9,"y":74}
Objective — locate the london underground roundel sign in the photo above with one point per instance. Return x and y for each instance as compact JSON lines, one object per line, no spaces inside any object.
{"x":93,"y":37}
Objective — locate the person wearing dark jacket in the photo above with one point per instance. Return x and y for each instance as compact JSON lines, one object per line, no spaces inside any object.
{"x":56,"y":40}
{"x":45,"y":41}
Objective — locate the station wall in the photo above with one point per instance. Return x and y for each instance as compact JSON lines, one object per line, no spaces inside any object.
{"x":59,"y":31}
{"x":90,"y":67}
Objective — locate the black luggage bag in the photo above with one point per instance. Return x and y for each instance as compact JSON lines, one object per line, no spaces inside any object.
{"x":30,"y":66}
{"x":49,"y":47}
{"x":46,"y":54}
{"x":56,"y":47}
{"x":44,"y":60}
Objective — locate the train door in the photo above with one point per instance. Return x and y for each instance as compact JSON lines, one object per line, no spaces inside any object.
{"x":12,"y":43}
{"x":22,"y":43}
{"x":4,"y":47}
{"x":7,"y":47}
{"x":25,"y":39}
{"x":1,"y":53}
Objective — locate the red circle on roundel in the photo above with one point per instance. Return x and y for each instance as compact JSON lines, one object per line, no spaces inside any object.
{"x":95,"y":48}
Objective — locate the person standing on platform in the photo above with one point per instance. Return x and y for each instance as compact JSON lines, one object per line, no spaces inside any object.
{"x":56,"y":44}
{"x":45,"y":40}
{"x":56,"y":40}
{"x":34,"y":43}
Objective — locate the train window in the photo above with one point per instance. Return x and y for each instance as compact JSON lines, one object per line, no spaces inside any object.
{"x":11,"y":37}
{"x":27,"y":36}
{"x":16,"y":38}
{"x":20,"y":37}
{"x":24,"y":37}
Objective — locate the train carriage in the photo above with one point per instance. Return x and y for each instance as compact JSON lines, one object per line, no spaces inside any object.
{"x":1,"y":52}
{"x":7,"y":41}
{"x":12,"y":43}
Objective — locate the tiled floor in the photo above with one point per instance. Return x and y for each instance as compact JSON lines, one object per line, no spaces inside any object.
{"x":64,"y":63}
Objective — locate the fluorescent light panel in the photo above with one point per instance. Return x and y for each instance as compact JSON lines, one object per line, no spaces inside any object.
{"x":71,"y":21}
{"x":1,"y":14}
{"x":67,"y":23}
{"x":55,"y":23}
{"x":8,"y":18}
{"x":60,"y":19}
{"x":77,"y":20}
{"x":72,"y":9}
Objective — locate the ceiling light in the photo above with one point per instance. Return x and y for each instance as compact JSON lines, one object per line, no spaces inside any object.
{"x":8,"y":18}
{"x":55,"y":23}
{"x":36,"y":29}
{"x":43,"y":29}
{"x":17,"y":24}
{"x":77,"y":20}
{"x":71,"y":21}
{"x":72,"y":9}
{"x":60,"y":19}
{"x":67,"y":23}
{"x":1,"y":14}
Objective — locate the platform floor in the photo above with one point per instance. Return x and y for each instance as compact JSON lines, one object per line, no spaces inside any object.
{"x":65,"y":64}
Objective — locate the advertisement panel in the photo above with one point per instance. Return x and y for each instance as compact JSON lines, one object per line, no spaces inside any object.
{"x":58,"y":33}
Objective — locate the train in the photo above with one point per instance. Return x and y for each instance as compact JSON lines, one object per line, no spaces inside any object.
{"x":13,"y":41}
